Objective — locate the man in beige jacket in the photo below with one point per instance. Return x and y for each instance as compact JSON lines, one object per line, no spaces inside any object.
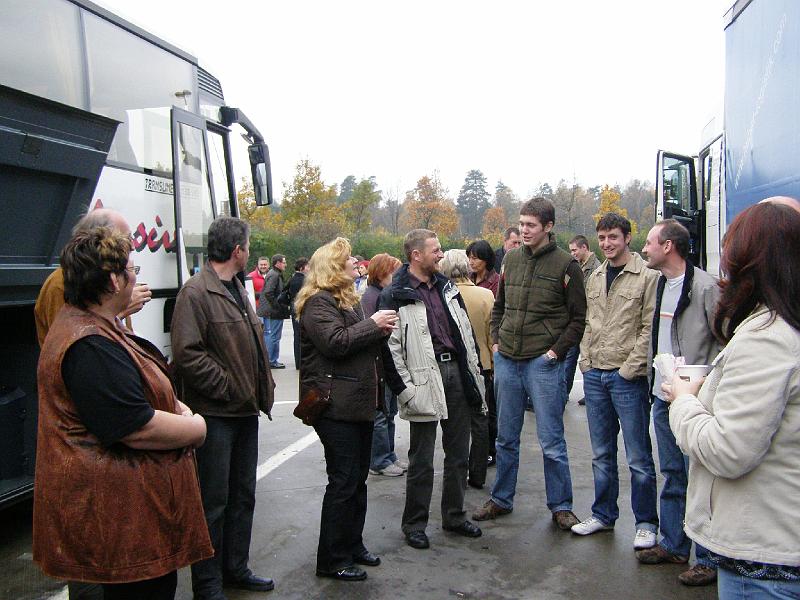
{"x":620,"y":299}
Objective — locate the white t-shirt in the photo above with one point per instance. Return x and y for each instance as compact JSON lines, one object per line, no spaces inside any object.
{"x":669,"y":304}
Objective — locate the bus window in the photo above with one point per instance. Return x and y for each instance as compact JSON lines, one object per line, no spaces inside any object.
{"x":40,"y":49}
{"x":219,"y":175}
{"x":196,"y":210}
{"x":137,"y":83}
{"x":677,"y":186}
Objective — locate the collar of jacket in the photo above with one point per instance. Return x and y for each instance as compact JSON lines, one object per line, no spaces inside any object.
{"x":548,"y":247}
{"x":686,"y":291}
{"x":635,"y":265}
{"x":401,"y":285}
{"x":215,"y":286}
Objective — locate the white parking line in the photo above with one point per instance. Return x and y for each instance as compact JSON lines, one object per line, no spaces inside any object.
{"x":276,"y":460}
{"x":62,"y":595}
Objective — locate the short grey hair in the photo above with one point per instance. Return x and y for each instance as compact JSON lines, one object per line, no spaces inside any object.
{"x":455,"y":264}
{"x":94,"y":219}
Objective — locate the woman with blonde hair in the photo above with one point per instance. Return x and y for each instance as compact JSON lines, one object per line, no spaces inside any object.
{"x":479,"y":302}
{"x":339,"y":359}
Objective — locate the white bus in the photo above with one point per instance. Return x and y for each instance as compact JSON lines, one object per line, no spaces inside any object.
{"x":70,"y":72}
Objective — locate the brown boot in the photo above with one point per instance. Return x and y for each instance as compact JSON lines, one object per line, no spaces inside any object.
{"x":565,"y":519}
{"x":698,"y":575}
{"x":490,"y":510}
{"x":657,"y":555}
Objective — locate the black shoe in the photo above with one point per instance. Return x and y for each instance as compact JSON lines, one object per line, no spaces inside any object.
{"x":251,"y":582}
{"x":346,"y":574}
{"x":277,"y":365}
{"x":367,"y":558}
{"x":491,"y":461}
{"x":474,"y":484}
{"x":582,"y":402}
{"x":418,"y":540}
{"x":467,"y":529}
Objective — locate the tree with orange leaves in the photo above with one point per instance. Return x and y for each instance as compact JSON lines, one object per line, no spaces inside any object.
{"x":428,"y":207}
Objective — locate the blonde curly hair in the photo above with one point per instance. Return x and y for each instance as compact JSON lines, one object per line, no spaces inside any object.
{"x":329,"y":270}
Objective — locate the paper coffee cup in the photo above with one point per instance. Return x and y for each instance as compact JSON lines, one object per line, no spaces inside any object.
{"x":692,"y":372}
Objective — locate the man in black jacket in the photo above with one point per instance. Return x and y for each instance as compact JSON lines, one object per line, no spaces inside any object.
{"x":271,"y":311}
{"x":286,"y":298}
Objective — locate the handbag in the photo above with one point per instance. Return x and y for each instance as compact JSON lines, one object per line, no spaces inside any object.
{"x":311,"y":406}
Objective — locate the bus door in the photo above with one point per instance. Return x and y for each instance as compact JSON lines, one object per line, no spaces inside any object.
{"x":676,"y":198}
{"x":194,"y":196}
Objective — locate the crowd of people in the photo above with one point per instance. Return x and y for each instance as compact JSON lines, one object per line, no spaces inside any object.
{"x":461,"y":341}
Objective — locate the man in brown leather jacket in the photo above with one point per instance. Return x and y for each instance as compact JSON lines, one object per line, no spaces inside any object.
{"x":223,"y":374}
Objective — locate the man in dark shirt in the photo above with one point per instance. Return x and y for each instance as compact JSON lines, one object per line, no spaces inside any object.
{"x":223,"y":374}
{"x":432,"y":366}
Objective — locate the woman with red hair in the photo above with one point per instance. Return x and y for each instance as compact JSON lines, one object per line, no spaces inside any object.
{"x":741,"y":429}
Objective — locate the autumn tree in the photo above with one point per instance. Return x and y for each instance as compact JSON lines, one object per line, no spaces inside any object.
{"x":505,"y":198}
{"x":494,"y":224}
{"x":610,"y":202}
{"x":472,"y":202}
{"x":346,"y":189}
{"x":637,"y":199}
{"x":358,"y":208}
{"x":309,"y":205}
{"x":566,"y":200}
{"x":258,"y":217}
{"x":427,"y":207}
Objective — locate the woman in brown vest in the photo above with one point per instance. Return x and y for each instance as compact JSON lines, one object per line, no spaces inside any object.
{"x":116,"y":498}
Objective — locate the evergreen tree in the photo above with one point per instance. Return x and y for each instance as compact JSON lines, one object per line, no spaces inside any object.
{"x":472,"y":203}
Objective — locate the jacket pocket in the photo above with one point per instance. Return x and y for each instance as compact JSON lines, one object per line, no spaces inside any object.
{"x":421,"y":404}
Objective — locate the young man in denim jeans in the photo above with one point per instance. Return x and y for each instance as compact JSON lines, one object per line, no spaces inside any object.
{"x":620,"y":297}
{"x":538,"y":316}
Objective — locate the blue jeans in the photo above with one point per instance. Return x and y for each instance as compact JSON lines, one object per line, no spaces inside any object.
{"x":273,"y":329}
{"x":674,"y":466}
{"x":543,"y":381}
{"x":570,"y":362}
{"x":732,"y":586}
{"x":613,"y":402}
{"x":383,"y":433}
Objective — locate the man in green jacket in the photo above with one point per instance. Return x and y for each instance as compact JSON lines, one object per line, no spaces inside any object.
{"x":538,"y":316}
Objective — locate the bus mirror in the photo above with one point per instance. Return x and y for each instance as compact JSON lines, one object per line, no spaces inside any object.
{"x":262,"y":173}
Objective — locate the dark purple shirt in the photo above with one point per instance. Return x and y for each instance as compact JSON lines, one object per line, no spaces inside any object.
{"x":491,"y":282}
{"x":438,"y":323}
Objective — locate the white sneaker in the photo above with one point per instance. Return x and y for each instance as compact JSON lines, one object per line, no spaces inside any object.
{"x":644,"y":539}
{"x":590,"y":526}
{"x":390,"y":471}
{"x":401,"y":464}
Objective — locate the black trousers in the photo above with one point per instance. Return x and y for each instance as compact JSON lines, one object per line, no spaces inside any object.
{"x":348,"y":449}
{"x":160,"y":588}
{"x":484,"y":434}
{"x":226,"y":466}
{"x":79,"y":590}
{"x":296,"y":331}
{"x":455,"y":441}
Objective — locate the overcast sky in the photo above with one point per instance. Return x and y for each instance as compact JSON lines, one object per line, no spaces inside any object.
{"x":527,"y":91}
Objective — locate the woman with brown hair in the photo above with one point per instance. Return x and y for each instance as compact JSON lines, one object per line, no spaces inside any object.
{"x":740,"y":427}
{"x":116,"y":496}
{"x":384,"y":461}
{"x":339,"y":352}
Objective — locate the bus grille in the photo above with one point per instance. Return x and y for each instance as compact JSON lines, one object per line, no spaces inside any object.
{"x":209,"y":84}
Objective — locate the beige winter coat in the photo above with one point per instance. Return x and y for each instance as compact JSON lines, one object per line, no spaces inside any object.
{"x":742,"y":436}
{"x":618,"y":324}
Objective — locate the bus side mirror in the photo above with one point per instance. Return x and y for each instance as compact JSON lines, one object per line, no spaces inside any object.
{"x":261,"y":171}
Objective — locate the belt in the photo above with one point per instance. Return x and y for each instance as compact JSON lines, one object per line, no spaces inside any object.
{"x":445,"y":357}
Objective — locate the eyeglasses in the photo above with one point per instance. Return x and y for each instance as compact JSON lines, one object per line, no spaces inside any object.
{"x":135,"y":269}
